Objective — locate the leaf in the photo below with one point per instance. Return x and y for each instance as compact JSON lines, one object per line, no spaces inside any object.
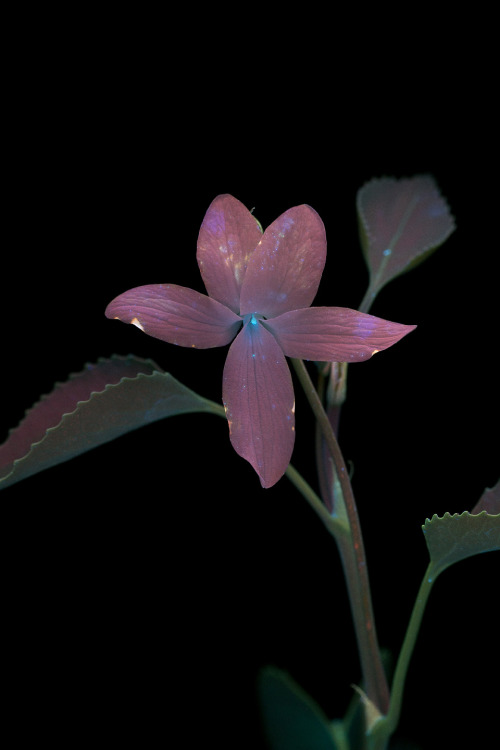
{"x":104,"y":401}
{"x":455,"y":537}
{"x":292,"y":720}
{"x":489,"y":501}
{"x":401,"y":223}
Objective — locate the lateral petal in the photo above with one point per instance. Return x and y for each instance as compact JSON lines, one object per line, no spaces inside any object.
{"x":228,"y":235}
{"x":285,"y":270}
{"x":259,"y":402}
{"x":334,"y":334}
{"x":176,"y":314}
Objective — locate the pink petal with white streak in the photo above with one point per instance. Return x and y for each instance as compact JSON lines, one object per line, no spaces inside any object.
{"x":285,"y":270}
{"x":176,"y":314}
{"x":228,"y":235}
{"x":334,"y":334}
{"x":259,"y":402}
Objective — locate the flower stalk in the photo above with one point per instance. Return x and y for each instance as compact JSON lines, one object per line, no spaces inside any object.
{"x":351,"y":548}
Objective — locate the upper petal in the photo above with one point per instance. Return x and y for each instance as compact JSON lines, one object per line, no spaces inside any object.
{"x":228,"y":235}
{"x":176,"y":314}
{"x":334,"y":334}
{"x":259,"y":402}
{"x":284,"y":271}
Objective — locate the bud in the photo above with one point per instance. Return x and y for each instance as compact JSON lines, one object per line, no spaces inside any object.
{"x":337,"y":384}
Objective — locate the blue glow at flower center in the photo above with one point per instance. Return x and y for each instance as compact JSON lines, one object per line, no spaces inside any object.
{"x":252,"y":319}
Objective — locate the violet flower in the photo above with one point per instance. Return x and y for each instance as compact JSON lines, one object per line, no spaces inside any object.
{"x":260,"y":287}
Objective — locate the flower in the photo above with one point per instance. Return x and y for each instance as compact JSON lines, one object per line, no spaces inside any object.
{"x":260,"y":287}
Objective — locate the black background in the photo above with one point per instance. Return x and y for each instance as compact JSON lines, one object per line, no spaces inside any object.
{"x":146,"y":582}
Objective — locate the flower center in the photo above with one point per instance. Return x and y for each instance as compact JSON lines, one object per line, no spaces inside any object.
{"x":252,"y":319}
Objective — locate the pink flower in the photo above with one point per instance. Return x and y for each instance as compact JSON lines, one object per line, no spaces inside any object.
{"x":260,"y":287}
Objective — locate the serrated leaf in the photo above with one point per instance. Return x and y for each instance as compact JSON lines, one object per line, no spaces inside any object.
{"x":452,"y":538}
{"x":104,"y":401}
{"x":292,"y":720}
{"x":401,"y":223}
{"x":489,"y":501}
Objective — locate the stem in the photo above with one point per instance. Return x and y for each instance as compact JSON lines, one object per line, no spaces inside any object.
{"x":367,"y":300}
{"x":407,"y":649}
{"x":336,"y":527}
{"x":354,"y":559}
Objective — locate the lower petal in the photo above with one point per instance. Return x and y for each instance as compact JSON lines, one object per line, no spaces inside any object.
{"x":259,"y":402}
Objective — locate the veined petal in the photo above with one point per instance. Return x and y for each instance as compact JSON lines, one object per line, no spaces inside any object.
{"x":259,"y":402}
{"x":334,"y":334}
{"x":176,"y":314}
{"x":228,"y":235}
{"x":284,"y":271}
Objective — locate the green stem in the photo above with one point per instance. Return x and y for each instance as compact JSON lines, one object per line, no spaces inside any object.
{"x":367,"y":300}
{"x":407,"y":650}
{"x":334,"y":525}
{"x":354,"y":559}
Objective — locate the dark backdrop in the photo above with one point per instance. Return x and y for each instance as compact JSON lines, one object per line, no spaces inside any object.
{"x":148,"y":581}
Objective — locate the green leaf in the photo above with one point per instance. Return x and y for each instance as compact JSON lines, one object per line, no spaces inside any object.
{"x":292,"y":720}
{"x":401,"y":222}
{"x":104,"y":401}
{"x":455,"y":537}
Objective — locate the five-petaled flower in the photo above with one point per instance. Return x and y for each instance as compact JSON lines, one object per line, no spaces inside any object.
{"x":260,"y":287}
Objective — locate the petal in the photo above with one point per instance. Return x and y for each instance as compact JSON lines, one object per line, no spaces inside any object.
{"x":176,"y":314}
{"x":228,"y":235}
{"x":334,"y":334}
{"x":259,"y":402}
{"x":285,"y":270}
